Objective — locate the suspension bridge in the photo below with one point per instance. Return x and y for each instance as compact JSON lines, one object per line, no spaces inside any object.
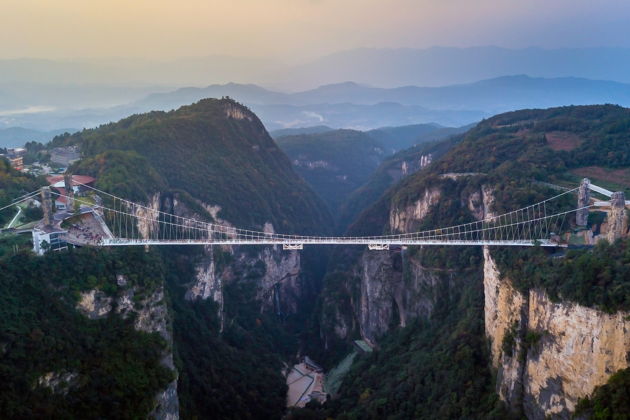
{"x":116,"y":221}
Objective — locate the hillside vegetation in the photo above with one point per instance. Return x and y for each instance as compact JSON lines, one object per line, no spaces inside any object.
{"x":14,"y":184}
{"x":336,"y":163}
{"x":389,"y":172}
{"x":98,"y":368}
{"x":510,"y":152}
{"x":217,"y":151}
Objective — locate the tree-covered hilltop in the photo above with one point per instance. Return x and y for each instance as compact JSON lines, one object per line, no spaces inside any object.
{"x":229,"y":356}
{"x":560,"y":144}
{"x":217,"y":151}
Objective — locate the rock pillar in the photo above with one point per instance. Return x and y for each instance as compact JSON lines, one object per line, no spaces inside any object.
{"x":617,"y":220}
{"x":584,"y":197}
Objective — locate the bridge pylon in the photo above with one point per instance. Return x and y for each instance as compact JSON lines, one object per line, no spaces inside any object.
{"x":47,"y":206}
{"x":584,"y":199}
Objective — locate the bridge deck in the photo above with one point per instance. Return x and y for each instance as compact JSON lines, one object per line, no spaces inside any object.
{"x":330,"y":241}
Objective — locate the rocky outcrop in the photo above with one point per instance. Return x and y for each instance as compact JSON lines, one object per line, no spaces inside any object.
{"x":151,"y":315}
{"x":58,"y":382}
{"x":504,"y":316}
{"x":402,"y":220}
{"x":392,"y":288}
{"x":94,"y":304}
{"x":237,"y":112}
{"x":147,"y":217}
{"x":393,"y":291}
{"x":617,"y":218}
{"x":548,"y":355}
{"x":584,"y":200}
{"x":206,"y":283}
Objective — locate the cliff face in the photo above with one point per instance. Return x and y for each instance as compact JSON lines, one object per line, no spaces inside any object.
{"x":554,"y":353}
{"x":277,"y":272}
{"x":401,"y":220}
{"x":393,"y":290}
{"x":390,"y":288}
{"x":151,"y":315}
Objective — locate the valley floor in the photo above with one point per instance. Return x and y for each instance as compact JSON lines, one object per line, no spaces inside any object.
{"x":304,"y":384}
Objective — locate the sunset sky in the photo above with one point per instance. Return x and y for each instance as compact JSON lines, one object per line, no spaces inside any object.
{"x":297,"y":29}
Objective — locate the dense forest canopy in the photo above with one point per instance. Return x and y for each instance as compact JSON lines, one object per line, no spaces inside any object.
{"x":110,"y":369}
{"x":217,"y":151}
{"x":334,"y":163}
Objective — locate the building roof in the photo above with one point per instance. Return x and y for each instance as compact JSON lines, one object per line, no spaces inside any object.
{"x":363,"y":346}
{"x":308,"y":361}
{"x":76,"y":180}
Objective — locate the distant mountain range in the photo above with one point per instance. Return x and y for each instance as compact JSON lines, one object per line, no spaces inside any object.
{"x":491,"y":95}
{"x":352,"y":105}
{"x":356,"y":106}
{"x":17,"y":136}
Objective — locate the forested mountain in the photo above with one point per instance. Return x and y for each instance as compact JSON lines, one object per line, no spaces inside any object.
{"x":404,"y":137}
{"x":404,"y":299}
{"x":207,"y":332}
{"x":216,"y":151}
{"x":390,"y":171}
{"x":337,"y":162}
{"x":227,"y":318}
{"x":300,"y":130}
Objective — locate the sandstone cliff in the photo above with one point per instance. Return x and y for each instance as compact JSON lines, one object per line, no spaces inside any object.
{"x":548,"y":355}
{"x":390,"y":288}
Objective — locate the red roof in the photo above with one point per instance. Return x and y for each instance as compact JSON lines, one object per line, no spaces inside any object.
{"x":63,"y":197}
{"x":76,"y":179}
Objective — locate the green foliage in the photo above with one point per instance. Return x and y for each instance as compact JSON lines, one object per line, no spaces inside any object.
{"x":115,"y":370}
{"x":217,"y":159}
{"x":235,"y":373}
{"x":432,"y":369}
{"x":514,"y":144}
{"x":610,"y":401}
{"x":334,"y":163}
{"x":35,"y":151}
{"x":386,"y":175}
{"x":597,"y":278}
{"x":14,"y":184}
{"x":123,"y":173}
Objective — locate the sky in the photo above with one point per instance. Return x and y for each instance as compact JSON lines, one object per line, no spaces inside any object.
{"x":298,"y":29}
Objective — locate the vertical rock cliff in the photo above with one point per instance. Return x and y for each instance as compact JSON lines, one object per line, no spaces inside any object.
{"x":548,"y":355}
{"x":390,"y":288}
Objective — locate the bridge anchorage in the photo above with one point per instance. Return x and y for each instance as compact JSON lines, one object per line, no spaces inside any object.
{"x":103,"y":219}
